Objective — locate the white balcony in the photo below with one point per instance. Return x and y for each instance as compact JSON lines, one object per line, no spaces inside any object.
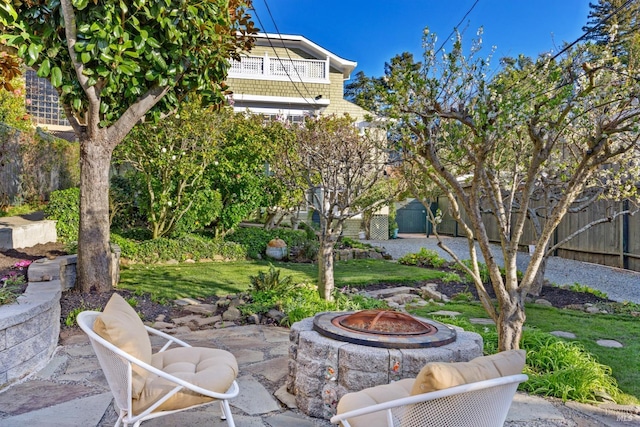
{"x":267,"y":68}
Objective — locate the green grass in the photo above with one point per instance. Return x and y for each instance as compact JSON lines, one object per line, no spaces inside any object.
{"x":200,"y":280}
{"x":588,"y":328}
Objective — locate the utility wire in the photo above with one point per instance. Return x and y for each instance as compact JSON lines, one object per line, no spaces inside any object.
{"x":456,"y":27}
{"x":280,"y":60}
{"x":540,"y":66}
{"x":287,"y":51}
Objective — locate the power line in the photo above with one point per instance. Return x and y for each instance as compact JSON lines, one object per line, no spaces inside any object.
{"x":287,"y":51}
{"x":456,"y":27}
{"x":540,"y":66}
{"x":280,"y":60}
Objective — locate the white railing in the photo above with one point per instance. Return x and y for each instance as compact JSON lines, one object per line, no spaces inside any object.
{"x":280,"y":69}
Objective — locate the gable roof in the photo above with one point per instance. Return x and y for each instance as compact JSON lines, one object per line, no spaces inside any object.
{"x":345,"y":66}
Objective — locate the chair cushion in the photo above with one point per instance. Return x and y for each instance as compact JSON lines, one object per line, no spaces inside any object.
{"x":373,"y":396}
{"x":209,"y":368}
{"x":440,"y":375}
{"x":121,"y":326}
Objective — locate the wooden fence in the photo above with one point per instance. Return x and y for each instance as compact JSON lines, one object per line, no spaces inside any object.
{"x":615,"y":243}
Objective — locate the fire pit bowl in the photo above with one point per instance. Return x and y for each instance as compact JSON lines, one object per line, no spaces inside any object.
{"x":323,"y":367}
{"x":384,"y":328}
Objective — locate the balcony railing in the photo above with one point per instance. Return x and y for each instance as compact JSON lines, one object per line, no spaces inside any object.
{"x":265,"y":67}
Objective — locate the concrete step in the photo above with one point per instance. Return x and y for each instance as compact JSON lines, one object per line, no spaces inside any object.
{"x":25,"y":231}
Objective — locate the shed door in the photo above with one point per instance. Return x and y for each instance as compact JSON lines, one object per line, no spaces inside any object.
{"x":412,"y":218}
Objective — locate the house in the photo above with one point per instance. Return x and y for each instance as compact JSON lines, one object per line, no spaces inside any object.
{"x":291,"y":76}
{"x":284,"y":76}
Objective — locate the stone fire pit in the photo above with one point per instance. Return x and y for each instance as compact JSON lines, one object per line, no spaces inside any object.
{"x":322,"y":369}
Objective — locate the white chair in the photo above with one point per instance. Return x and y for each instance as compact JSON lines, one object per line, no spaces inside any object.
{"x":146,"y":385}
{"x":464,"y":394}
{"x":479,"y":404}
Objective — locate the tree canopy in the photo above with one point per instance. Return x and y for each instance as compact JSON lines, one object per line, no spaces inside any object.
{"x":115,"y":64}
{"x":558,"y":125}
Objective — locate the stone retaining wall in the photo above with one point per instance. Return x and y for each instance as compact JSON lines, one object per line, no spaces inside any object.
{"x":29,"y":331}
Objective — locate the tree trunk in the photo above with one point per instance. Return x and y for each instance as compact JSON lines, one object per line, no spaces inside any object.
{"x":94,"y":255}
{"x":538,"y":281}
{"x":509,"y":327}
{"x":326,"y":281}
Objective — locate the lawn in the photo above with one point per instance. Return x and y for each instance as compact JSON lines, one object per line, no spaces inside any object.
{"x":588,"y":328}
{"x":200,"y":280}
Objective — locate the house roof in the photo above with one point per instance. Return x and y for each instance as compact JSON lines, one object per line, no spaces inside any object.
{"x":299,"y":42}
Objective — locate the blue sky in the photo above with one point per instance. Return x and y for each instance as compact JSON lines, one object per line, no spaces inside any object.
{"x":371,"y":32}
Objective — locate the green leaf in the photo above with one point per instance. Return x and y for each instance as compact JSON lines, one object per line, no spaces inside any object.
{"x":77,"y":103}
{"x":106,"y":57}
{"x":80,"y":4}
{"x":102,"y":71}
{"x":7,"y":13}
{"x":144,"y":35}
{"x":66,"y":89}
{"x":44,"y":69}
{"x":124,"y":7}
{"x":85,"y":57}
{"x":56,"y":77}
{"x":32,"y":54}
{"x":153,"y":43}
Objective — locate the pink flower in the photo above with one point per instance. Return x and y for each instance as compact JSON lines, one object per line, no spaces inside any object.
{"x":22,"y":264}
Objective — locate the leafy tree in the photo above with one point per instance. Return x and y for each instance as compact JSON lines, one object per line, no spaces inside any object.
{"x":240,"y":172}
{"x":614,"y":23}
{"x":114,"y":64}
{"x":169,"y":160}
{"x":565,"y":125}
{"x":339,"y":165}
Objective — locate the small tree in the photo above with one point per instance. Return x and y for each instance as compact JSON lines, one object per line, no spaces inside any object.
{"x":489,"y":145}
{"x":240,"y":173}
{"x":169,"y":160}
{"x":114,"y":64}
{"x":339,"y":164}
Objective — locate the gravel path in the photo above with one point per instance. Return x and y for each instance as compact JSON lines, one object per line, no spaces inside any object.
{"x":620,"y":285}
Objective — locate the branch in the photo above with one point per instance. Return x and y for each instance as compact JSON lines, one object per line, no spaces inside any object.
{"x":70,"y":32}
{"x":588,"y":226}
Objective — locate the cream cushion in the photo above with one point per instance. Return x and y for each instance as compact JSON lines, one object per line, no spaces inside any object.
{"x":121,"y":326}
{"x":433,"y":376}
{"x":373,"y":396}
{"x":211,"y":369}
{"x":440,"y":375}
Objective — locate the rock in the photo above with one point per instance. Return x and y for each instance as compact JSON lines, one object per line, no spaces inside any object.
{"x":186,"y":301}
{"x":163,"y":325}
{"x":275,"y":315}
{"x":160,"y":317}
{"x":609,"y":343}
{"x":375,"y":255}
{"x":172,"y":262}
{"x":445,"y":313}
{"x":254,"y":319}
{"x":429,"y":292}
{"x":189,"y":261}
{"x":232,"y":314}
{"x":563,"y":334}
{"x":223,"y":302}
{"x":204,"y":309}
{"x":401,"y":298}
{"x":543,"y":302}
{"x":592,"y":310}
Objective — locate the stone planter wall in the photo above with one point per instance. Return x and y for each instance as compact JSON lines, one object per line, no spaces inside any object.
{"x":29,"y":331}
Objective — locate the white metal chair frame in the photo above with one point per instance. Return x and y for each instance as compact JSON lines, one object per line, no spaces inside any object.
{"x":113,"y":360}
{"x":395,"y":411}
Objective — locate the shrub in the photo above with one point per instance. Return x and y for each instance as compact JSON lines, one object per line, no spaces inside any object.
{"x":270,"y":281}
{"x":255,"y":239}
{"x":64,"y":207}
{"x":188,"y":246}
{"x":424,"y":258}
{"x":565,"y":370}
{"x":451,"y":277}
{"x":577,"y":287}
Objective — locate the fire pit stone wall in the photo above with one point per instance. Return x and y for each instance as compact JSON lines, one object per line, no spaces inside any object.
{"x":322,"y":370}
